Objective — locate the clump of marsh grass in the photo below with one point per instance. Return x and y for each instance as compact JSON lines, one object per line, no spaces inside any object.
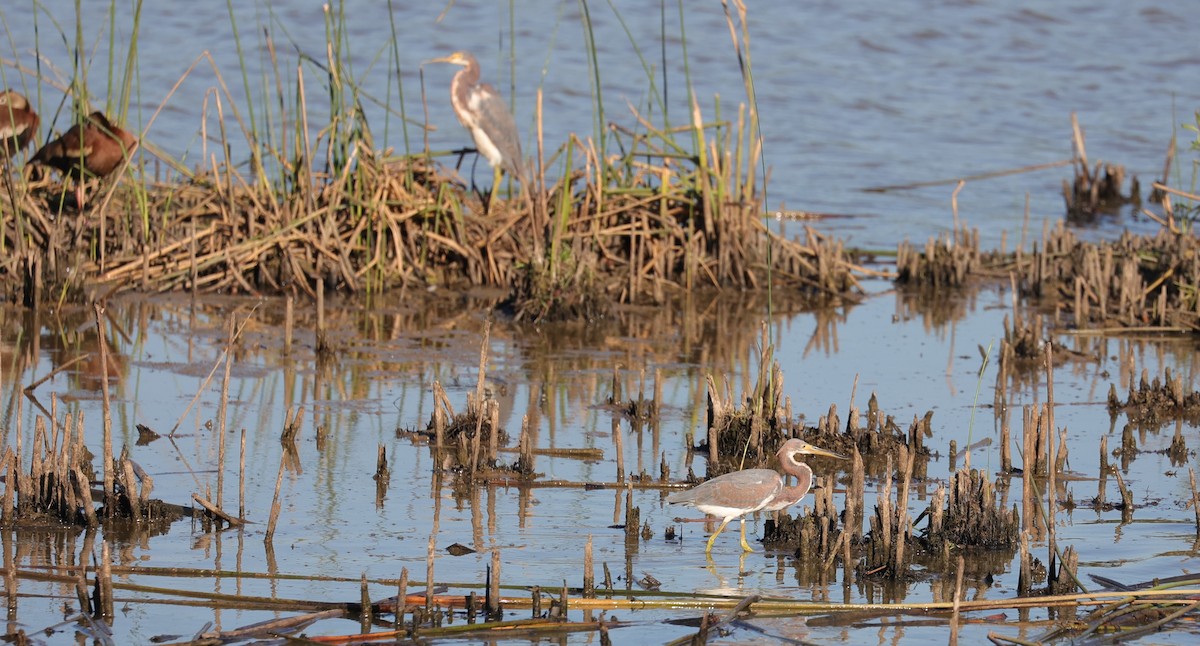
{"x":664,"y":209}
{"x":633,"y":214}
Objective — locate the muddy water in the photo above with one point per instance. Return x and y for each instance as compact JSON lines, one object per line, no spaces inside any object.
{"x":335,"y":522}
{"x":851,"y":95}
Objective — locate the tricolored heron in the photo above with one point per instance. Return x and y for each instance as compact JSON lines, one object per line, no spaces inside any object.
{"x":484,"y":114}
{"x":18,"y":124}
{"x":94,"y":148}
{"x":736,"y":494}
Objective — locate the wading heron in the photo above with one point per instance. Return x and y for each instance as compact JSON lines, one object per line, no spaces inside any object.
{"x":94,"y":148}
{"x":18,"y":124}
{"x":485,"y":115}
{"x":736,"y":494}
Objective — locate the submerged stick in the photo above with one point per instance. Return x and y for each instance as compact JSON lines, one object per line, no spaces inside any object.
{"x":217,"y":511}
{"x":968,"y":178}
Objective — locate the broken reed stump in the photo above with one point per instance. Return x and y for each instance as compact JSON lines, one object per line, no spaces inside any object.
{"x":58,"y":479}
{"x":639,"y":408}
{"x":741,"y":436}
{"x":737,"y":432}
{"x":879,"y":439}
{"x":1153,"y":403}
{"x":812,"y":535}
{"x":888,"y":548}
{"x":944,"y":262}
{"x":968,"y":514}
{"x":1136,"y":281}
{"x":1062,"y":580}
{"x":1098,"y":190}
{"x":57,"y":486}
{"x":745,"y":435}
{"x":469,"y":441}
{"x":1021,"y":345}
{"x":1095,"y":188}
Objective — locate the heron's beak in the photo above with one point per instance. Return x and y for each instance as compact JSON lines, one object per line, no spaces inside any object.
{"x":816,"y":450}
{"x":456,"y":59}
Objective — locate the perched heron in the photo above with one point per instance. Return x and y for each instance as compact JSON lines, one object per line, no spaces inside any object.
{"x":484,"y":114}
{"x":94,"y":148}
{"x":18,"y":124}
{"x":736,"y":494}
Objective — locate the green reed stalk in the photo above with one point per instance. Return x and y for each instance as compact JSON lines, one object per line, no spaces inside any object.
{"x":563,"y":210}
{"x":512,"y":58}
{"x":600,"y":131}
{"x":335,"y":149}
{"x":662,"y":46}
{"x":655,"y":95}
{"x":717,"y":165}
{"x":79,"y":71}
{"x":109,"y":103}
{"x":748,"y":182}
{"x":286,"y":179}
{"x":130,"y":61}
{"x":256,"y":164}
{"x":129,"y":75}
{"x":975,"y":404}
{"x":399,"y":90}
{"x":687,"y":67}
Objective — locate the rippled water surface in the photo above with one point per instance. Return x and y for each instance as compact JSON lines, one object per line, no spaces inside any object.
{"x":852,"y":95}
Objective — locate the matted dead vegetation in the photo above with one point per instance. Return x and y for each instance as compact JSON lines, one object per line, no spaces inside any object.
{"x":384,"y":223}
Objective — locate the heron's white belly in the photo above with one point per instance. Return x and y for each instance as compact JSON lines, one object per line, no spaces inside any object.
{"x":486,"y":148}
{"x":721,"y":511}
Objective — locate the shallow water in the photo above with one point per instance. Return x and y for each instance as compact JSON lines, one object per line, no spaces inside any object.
{"x":390,"y":352}
{"x":851,"y":95}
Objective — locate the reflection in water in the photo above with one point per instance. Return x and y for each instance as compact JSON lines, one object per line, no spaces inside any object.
{"x":722,"y":587}
{"x":625,"y":394}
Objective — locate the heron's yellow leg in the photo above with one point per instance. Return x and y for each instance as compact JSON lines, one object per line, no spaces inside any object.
{"x":745,"y":545}
{"x":496,"y":177}
{"x":714,"y":535}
